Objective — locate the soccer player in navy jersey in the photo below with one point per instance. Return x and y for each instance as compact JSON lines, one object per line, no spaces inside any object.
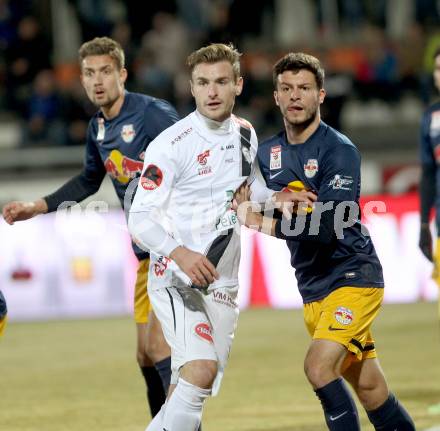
{"x":339,"y":274}
{"x":117,"y":137}
{"x":429,"y":190}
{"x":3,"y":312}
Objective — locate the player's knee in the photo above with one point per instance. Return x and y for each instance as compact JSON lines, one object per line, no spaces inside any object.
{"x":200,"y":373}
{"x":372,"y":393}
{"x":318,"y":373}
{"x":142,"y":357}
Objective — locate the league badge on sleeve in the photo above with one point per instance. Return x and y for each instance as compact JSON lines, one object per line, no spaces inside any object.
{"x":275,"y":157}
{"x":151,"y":178}
{"x":310,"y":168}
{"x":341,"y":182}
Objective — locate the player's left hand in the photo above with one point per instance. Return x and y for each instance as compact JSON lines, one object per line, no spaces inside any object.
{"x":425,"y":241}
{"x":242,"y":194}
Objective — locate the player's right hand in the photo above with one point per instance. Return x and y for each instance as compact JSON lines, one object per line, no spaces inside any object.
{"x":425,"y":241}
{"x":195,"y":265}
{"x":289,"y":201}
{"x":18,"y":211}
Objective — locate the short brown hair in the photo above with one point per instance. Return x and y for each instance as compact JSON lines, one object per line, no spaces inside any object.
{"x":296,"y":61}
{"x":214,"y":53}
{"x":103,"y":46}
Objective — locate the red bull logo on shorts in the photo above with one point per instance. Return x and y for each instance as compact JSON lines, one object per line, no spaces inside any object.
{"x":203,"y":330}
{"x":122,"y":168}
{"x":344,"y":315}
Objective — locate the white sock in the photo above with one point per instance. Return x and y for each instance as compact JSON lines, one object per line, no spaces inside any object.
{"x":156,"y":422}
{"x":184,"y":408}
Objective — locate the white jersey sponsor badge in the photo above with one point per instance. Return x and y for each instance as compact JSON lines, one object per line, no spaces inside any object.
{"x":275,"y":157}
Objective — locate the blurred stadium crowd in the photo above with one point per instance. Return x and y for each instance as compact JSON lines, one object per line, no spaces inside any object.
{"x":377,"y":55}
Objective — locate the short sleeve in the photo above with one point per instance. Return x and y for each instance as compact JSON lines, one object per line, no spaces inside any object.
{"x":159,"y":115}
{"x":340,"y":174}
{"x":158,"y":176}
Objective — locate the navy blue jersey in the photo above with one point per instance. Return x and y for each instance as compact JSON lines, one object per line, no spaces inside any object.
{"x":3,"y":308}
{"x":430,"y":148}
{"x":117,"y":146}
{"x":329,"y":165}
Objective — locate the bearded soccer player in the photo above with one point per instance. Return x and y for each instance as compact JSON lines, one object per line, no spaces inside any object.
{"x":429,"y":187}
{"x":338,"y":272}
{"x":117,"y":137}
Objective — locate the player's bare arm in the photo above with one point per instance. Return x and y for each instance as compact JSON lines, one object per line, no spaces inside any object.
{"x":195,"y":265}
{"x":20,"y":210}
{"x":287,"y":202}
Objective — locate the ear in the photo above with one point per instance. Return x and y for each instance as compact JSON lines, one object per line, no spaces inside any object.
{"x":191,"y":87}
{"x":322,"y":94}
{"x":123,"y":75}
{"x":239,"y":86}
{"x":275,"y":96}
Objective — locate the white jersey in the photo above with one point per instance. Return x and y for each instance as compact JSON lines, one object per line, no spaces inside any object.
{"x":191,"y":171}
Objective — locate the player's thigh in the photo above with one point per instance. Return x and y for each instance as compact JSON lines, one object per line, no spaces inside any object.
{"x":222,"y":310}
{"x":345,"y":317}
{"x":142,"y":304}
{"x":185,"y":326}
{"x":156,"y":346}
{"x":324,"y":360}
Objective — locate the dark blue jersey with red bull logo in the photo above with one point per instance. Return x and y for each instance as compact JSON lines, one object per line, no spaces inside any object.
{"x":430,"y":159}
{"x":3,"y":308}
{"x":329,"y":165}
{"x":117,"y":146}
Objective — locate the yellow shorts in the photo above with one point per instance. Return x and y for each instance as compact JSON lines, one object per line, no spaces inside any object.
{"x":2,"y":324}
{"x":345,"y":316}
{"x":142,"y":305}
{"x":436,"y":258}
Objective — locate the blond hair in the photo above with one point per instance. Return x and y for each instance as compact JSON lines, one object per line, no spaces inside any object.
{"x":214,"y":53}
{"x":103,"y":46}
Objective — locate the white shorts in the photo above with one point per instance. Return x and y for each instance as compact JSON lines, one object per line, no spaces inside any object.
{"x":197,"y":325}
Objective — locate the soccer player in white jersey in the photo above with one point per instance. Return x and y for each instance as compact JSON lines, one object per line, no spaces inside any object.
{"x":182,"y":213}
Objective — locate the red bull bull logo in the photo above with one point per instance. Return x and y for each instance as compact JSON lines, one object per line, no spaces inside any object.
{"x":344,"y":315}
{"x":122,"y":168}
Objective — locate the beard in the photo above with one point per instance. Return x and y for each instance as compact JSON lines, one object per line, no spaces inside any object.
{"x":307,"y":119}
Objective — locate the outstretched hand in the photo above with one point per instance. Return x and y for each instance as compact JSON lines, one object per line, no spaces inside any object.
{"x":20,"y":210}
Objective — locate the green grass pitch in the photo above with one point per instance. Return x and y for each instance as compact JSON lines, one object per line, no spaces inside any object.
{"x":82,"y":375}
